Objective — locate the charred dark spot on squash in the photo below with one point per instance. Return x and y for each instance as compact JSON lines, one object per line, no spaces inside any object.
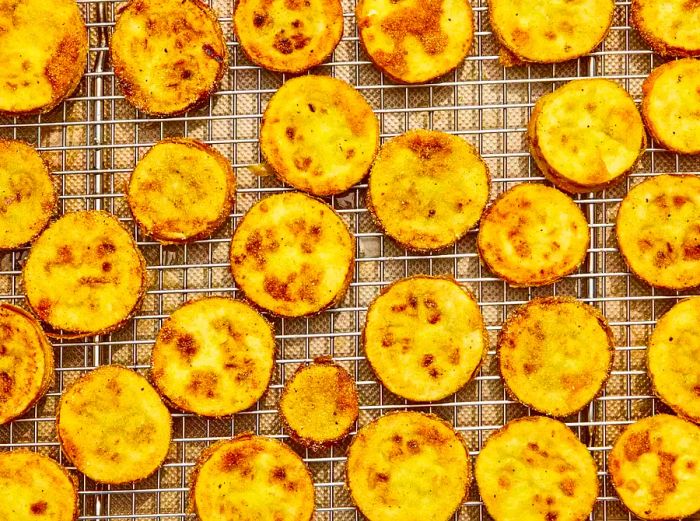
{"x":6,"y":383}
{"x":637,"y":444}
{"x":187,"y":345}
{"x":209,"y":51}
{"x":427,"y":360}
{"x":106,"y":247}
{"x":38,"y":508}
{"x":568,"y":487}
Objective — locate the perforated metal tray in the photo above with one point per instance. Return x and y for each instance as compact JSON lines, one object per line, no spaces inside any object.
{"x":94,"y":140}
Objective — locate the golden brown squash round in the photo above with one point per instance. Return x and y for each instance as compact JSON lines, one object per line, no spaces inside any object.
{"x":532,"y":235}
{"x":406,"y":466}
{"x":292,"y":255}
{"x":249,"y":478}
{"x":113,"y":426}
{"x":672,"y":358}
{"x":549,"y":32}
{"x":427,"y":189}
{"x":555,"y":354}
{"x":319,"y":135}
{"x":288,"y":35}
{"x":425,"y":337}
{"x":214,"y":357}
{"x":36,"y":488}
{"x":168,"y":55}
{"x":658,"y":231}
{"x":85,"y":274}
{"x":671,"y":105}
{"x":43,"y":53}
{"x":181,"y":190}
{"x":414,"y":41}
{"x":319,"y":404}
{"x":535,"y":469}
{"x":669,"y":27}
{"x":655,"y":467}
{"x":27,"y":194}
{"x":586,"y":135}
{"x":26,"y":362}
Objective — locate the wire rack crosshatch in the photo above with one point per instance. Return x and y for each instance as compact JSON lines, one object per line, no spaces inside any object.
{"x":93,"y":141}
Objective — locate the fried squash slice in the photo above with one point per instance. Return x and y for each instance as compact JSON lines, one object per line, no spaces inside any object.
{"x":549,"y":32}
{"x":586,"y":135}
{"x":532,"y":235}
{"x":414,"y":41}
{"x":671,"y":105}
{"x":672,"y":358}
{"x":214,"y":357}
{"x":655,"y":467}
{"x":406,"y":466}
{"x":555,"y":354}
{"x":427,"y":189}
{"x":181,"y":190}
{"x":249,"y":478}
{"x":319,"y":404}
{"x":292,"y":255}
{"x":85,"y":274}
{"x":669,"y":27}
{"x":319,"y":135}
{"x":425,"y":337}
{"x":288,"y":35}
{"x":168,"y":55}
{"x":658,"y":231}
{"x":43,"y":53}
{"x":26,"y":362}
{"x":36,"y":488}
{"x":113,"y":425}
{"x":535,"y":469}
{"x":27,"y":195}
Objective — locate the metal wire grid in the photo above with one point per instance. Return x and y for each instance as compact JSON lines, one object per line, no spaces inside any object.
{"x":94,"y":140}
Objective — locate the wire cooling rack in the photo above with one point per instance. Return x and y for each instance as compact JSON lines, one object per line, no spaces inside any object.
{"x":94,"y":140}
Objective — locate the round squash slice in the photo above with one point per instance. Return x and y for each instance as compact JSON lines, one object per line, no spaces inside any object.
{"x":288,"y":36}
{"x":43,"y":53}
{"x":414,"y":41}
{"x":213,"y":357}
{"x":113,"y":426}
{"x":406,"y":466}
{"x":182,"y":190}
{"x":658,"y":231}
{"x":427,"y":189}
{"x":84,"y":274}
{"x":36,"y":488}
{"x":250,"y":478}
{"x":655,"y":467}
{"x":532,"y":235}
{"x":669,"y":27}
{"x":26,"y":362}
{"x":673,"y":358}
{"x":27,"y":194}
{"x":319,"y":135}
{"x":555,"y":354}
{"x":549,"y":32}
{"x":671,"y":105}
{"x":425,"y":337}
{"x":535,"y":469}
{"x":168,"y":55}
{"x":319,"y":404}
{"x":586,"y":135}
{"x":292,"y":255}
